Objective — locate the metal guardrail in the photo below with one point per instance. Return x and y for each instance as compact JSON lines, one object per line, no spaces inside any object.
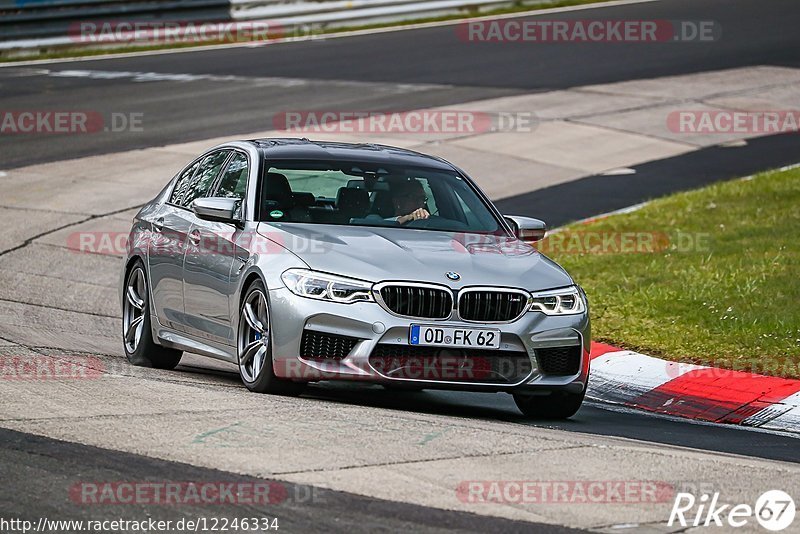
{"x":338,"y":13}
{"x":31,"y":19}
{"x":27,"y":25}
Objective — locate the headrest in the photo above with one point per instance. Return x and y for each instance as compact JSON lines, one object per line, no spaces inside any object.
{"x":277,"y":189}
{"x":356,"y":200}
{"x":356,"y":184}
{"x":382,"y":203}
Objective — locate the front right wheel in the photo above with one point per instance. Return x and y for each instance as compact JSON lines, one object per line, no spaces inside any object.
{"x":558,"y":405}
{"x":255,"y":346}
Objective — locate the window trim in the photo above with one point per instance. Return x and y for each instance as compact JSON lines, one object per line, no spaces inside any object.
{"x":196,"y":160}
{"x":218,"y":180}
{"x":177,"y":177}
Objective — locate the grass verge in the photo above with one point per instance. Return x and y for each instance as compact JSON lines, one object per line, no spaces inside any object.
{"x":77,"y":52}
{"x":710,"y":276}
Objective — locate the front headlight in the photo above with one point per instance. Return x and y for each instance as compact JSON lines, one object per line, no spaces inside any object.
{"x":566,"y":301}
{"x":324,"y":286}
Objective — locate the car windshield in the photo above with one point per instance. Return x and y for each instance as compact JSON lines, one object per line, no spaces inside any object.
{"x":360,"y":194}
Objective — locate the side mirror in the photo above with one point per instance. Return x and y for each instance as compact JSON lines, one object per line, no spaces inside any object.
{"x":527,"y":228}
{"x":220,"y":209}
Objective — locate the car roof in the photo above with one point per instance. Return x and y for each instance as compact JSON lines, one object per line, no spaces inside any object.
{"x":299,"y":149}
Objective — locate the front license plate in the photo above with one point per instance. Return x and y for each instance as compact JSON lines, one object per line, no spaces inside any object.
{"x":445,"y":336}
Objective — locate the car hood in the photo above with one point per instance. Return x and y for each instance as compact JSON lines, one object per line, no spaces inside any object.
{"x":376,"y":254}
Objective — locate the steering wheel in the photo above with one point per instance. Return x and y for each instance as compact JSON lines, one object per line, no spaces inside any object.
{"x":441,"y":223}
{"x":421,"y":223}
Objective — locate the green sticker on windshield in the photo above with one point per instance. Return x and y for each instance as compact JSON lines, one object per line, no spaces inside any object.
{"x":276,"y":214}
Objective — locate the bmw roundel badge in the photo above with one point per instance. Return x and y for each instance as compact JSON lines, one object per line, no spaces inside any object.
{"x":452,"y":275}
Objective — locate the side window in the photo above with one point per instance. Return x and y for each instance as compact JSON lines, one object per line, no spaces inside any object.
{"x":182,"y":183}
{"x":204,"y":177}
{"x":234,"y":180}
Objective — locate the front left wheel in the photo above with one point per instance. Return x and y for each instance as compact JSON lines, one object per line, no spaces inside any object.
{"x":255,"y":346}
{"x":137,"y":336}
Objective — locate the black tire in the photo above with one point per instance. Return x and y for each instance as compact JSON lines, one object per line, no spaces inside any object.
{"x":559,"y":405}
{"x":264,"y":380}
{"x":144,"y":352}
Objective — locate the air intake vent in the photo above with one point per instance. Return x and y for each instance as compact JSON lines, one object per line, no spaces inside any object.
{"x":417,"y":301}
{"x":491,"y":306}
{"x":559,"y":361}
{"x":322,"y":346}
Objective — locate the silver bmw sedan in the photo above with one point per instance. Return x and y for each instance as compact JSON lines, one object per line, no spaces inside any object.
{"x":302,"y":261}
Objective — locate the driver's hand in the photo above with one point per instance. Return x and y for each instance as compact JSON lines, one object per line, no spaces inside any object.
{"x":417,"y":214}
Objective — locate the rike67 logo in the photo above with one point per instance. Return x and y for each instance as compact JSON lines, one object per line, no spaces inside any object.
{"x":774,"y":510}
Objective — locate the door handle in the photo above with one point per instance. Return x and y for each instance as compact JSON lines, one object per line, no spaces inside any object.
{"x":194,"y":237}
{"x":158,"y":225}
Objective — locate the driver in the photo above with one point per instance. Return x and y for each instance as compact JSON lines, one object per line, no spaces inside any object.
{"x":409,"y":201}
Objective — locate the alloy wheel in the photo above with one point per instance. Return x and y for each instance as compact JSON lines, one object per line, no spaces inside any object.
{"x":254,"y":335}
{"x":134,"y":309}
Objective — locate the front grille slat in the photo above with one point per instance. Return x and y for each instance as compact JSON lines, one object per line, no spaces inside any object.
{"x":388,"y":297}
{"x":491,"y":305}
{"x":430,"y":300}
{"x":417,"y":301}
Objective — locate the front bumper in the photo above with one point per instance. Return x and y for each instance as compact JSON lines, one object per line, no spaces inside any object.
{"x":371,"y":325}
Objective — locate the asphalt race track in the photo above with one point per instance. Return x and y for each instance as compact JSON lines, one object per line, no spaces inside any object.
{"x":391,"y":71}
{"x":42,"y":466}
{"x":383,"y":71}
{"x":593,"y":195}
